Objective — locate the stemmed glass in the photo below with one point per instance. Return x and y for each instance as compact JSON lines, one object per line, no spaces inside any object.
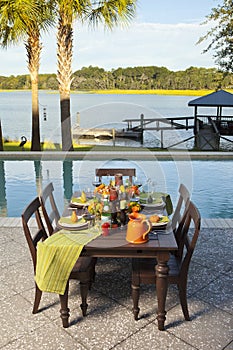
{"x":96,"y":182}
{"x":138,"y":182}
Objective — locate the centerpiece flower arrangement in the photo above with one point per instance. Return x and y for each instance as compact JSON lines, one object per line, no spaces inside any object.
{"x":125,"y":193}
{"x":130,"y":190}
{"x":95,"y":207}
{"x":134,"y":207}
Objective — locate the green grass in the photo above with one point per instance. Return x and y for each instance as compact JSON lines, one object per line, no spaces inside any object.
{"x":13,"y":146}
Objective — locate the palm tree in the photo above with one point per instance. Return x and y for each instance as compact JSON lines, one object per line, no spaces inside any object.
{"x":22,"y":20}
{"x":107,"y":12}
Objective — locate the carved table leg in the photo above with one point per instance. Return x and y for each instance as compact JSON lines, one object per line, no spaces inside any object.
{"x":135,"y":296}
{"x":65,"y":311}
{"x":161,"y":270}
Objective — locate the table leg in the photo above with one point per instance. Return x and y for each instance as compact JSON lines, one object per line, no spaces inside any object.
{"x":65,"y":311}
{"x":161,"y":271}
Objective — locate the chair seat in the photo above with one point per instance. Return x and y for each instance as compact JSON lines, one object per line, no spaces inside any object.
{"x":145,"y":271}
{"x":82,"y":264}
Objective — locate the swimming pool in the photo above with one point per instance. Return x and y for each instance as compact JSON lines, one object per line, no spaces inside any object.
{"x":210,"y":182}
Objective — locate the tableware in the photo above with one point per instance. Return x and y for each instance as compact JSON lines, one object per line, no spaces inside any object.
{"x":90,"y":219}
{"x":149,"y":200}
{"x":163,"y":221}
{"x":96,"y":182}
{"x":138,"y":228}
{"x":77,"y":202}
{"x":66,"y":223}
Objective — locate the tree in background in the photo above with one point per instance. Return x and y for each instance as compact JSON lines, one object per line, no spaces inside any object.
{"x":221,"y":35}
{"x":23,"y":20}
{"x":107,"y":12}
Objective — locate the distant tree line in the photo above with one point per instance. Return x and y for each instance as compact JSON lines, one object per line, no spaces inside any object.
{"x":140,"y":78}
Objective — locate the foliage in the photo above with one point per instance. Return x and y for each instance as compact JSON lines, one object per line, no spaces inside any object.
{"x":133,"y":78}
{"x":24,"y":21}
{"x":108,"y":12}
{"x":221,"y":35}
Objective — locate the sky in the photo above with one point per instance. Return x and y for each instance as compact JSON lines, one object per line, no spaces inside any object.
{"x":163,"y":33}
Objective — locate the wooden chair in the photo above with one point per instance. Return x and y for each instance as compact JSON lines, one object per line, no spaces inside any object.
{"x":180,"y":210}
{"x":49,"y":208}
{"x":82,"y":271}
{"x":182,"y":203}
{"x":130,"y":172}
{"x":143,"y":270}
{"x":51,"y":218}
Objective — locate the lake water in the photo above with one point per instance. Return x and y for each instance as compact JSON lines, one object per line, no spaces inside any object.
{"x":100,"y":111}
{"x":210,"y":182}
{"x":95,"y":111}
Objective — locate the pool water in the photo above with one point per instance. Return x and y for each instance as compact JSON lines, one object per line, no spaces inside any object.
{"x":209,"y":182}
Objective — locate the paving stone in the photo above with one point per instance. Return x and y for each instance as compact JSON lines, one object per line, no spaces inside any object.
{"x":210,"y":328}
{"x":110,"y":323}
{"x":51,"y":337}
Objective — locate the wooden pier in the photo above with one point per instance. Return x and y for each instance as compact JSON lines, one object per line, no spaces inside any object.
{"x":135,"y":128}
{"x":207,"y":129}
{"x":105,"y":134}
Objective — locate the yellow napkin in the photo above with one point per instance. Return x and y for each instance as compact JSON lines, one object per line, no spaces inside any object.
{"x":56,"y":257}
{"x":67,"y":220}
{"x":78,"y":200}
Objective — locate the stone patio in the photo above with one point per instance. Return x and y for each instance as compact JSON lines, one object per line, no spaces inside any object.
{"x":109,"y":323}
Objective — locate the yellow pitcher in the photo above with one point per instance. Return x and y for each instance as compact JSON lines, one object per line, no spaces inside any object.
{"x":137,"y":229}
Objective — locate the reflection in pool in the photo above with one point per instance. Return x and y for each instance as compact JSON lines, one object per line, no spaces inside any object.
{"x":210,"y":182}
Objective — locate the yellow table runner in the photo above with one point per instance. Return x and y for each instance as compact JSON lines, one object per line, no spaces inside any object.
{"x":56,"y":257}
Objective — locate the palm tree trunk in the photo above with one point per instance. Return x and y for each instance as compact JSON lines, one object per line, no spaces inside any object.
{"x":64,"y":73}
{"x":35,"y":146}
{"x":33,"y":48}
{"x":65,"y":121}
{"x":1,"y":142}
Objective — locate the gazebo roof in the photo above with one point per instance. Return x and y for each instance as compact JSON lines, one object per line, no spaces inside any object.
{"x":219,"y":98}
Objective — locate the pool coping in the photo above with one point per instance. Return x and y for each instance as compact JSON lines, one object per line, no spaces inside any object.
{"x":99,"y":155}
{"x":205,"y":222}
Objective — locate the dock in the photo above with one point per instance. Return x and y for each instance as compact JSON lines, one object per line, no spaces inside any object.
{"x":207,"y":129}
{"x":105,"y":134}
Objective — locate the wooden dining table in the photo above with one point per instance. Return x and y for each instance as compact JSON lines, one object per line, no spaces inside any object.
{"x":159,"y":246}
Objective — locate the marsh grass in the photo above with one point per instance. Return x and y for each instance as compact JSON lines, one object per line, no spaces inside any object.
{"x":157,"y":92}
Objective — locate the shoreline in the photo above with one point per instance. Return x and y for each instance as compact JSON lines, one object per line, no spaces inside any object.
{"x":103,"y":155}
{"x":181,"y":92}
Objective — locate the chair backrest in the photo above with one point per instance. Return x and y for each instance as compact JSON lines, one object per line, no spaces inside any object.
{"x":32,"y":237}
{"x":182,"y":204}
{"x":130,"y":172}
{"x":188,"y":232}
{"x":49,"y":208}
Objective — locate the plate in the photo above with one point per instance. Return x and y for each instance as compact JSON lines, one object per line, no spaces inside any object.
{"x":66,"y":223}
{"x":156,"y":203}
{"x":78,"y":203}
{"x":164,"y":220}
{"x":153,"y":205}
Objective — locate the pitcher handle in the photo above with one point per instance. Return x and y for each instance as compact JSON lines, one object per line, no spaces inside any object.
{"x":149,"y":225}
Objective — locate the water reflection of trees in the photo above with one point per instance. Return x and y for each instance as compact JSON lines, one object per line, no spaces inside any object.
{"x":38,"y":174}
{"x":67,"y":180}
{"x":3,"y":201}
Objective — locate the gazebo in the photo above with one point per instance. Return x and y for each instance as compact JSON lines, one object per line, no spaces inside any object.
{"x":208,"y":128}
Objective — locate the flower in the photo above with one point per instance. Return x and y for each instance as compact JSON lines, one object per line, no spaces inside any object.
{"x":95,"y":207}
{"x":134,"y":207}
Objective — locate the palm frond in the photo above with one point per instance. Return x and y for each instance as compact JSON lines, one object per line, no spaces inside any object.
{"x":111,"y":12}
